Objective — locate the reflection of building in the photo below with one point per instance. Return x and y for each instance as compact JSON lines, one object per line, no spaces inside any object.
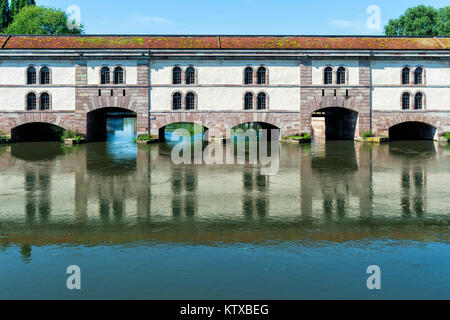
{"x":340,"y":189}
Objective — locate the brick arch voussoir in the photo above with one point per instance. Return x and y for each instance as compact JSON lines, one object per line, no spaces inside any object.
{"x":413,"y":118}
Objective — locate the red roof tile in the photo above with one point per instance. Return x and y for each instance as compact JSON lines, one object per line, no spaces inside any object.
{"x":2,"y":40}
{"x":342,"y":43}
{"x":224,"y":42}
{"x":111,"y":42}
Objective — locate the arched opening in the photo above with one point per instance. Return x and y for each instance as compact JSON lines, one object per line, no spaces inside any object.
{"x":263,"y":130}
{"x":118,"y":75}
{"x":111,"y":124}
{"x":334,"y":123}
{"x":412,"y":130}
{"x":195,"y":131}
{"x":36,"y":131}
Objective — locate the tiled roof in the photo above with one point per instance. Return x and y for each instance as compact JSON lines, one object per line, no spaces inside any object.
{"x":2,"y":40}
{"x":224,"y":42}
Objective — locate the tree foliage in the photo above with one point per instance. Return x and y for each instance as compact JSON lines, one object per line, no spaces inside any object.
{"x":420,"y":21}
{"x":17,"y":5}
{"x":41,"y":20}
{"x":4,"y":14}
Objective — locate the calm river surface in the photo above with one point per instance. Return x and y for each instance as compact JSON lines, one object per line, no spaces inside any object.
{"x":140,"y":226}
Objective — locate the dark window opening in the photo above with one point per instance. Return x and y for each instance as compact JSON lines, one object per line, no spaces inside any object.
{"x":31,"y":75}
{"x":45,"y":101}
{"x":105,"y":75}
{"x":118,"y":75}
{"x":176,"y":75}
{"x":248,"y":101}
{"x":262,"y":101}
{"x":405,"y":75}
{"x":341,"y":75}
{"x":405,"y":101}
{"x":45,"y":75}
{"x":176,"y":103}
{"x":262,"y":74}
{"x":248,"y":75}
{"x":31,"y":101}
{"x":190,"y":101}
{"x":328,"y":75}
{"x":190,"y":75}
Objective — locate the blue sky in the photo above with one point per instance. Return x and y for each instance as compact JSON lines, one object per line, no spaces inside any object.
{"x":234,"y":16}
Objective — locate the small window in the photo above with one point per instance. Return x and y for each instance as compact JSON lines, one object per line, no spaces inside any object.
{"x":45,"y":101}
{"x":418,"y":76}
{"x":190,"y":75}
{"x":31,"y":101}
{"x":248,"y":75}
{"x":418,"y":101}
{"x":328,"y":75}
{"x":190,"y":101}
{"x":176,"y":74}
{"x":118,"y":75}
{"x":31,"y":75}
{"x":341,"y":75}
{"x":176,"y":102}
{"x":45,"y":75}
{"x":105,"y":75}
{"x":262,"y":74}
{"x":248,"y":103}
{"x":405,"y":75}
{"x":405,"y":101}
{"x":262,"y":101}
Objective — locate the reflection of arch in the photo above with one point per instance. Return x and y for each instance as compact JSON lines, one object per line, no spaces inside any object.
{"x":334,"y":123}
{"x":162,"y":129}
{"x":36,"y":131}
{"x":412,"y":130}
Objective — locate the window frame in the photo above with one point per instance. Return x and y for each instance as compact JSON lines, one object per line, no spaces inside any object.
{"x":108,"y":75}
{"x":115,"y":74}
{"x":27,"y":73}
{"x":266,"y":101}
{"x":173,"y":101}
{"x":186,"y":101}
{"x":252,"y":100}
{"x":194,"y":78}
{"x":403,"y":74}
{"x":325,"y":77}
{"x":41,"y":76}
{"x":266,"y":76}
{"x":402,"y":100}
{"x":27,"y":101}
{"x":49,"y":101}
{"x":174,"y":68}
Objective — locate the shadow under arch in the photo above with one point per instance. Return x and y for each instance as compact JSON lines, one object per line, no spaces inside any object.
{"x":412,"y":130}
{"x":334,"y":123}
{"x":97,"y":125}
{"x":271,"y":131}
{"x":36,"y":131}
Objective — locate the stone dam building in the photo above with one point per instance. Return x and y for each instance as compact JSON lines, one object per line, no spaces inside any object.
{"x":333,"y":87}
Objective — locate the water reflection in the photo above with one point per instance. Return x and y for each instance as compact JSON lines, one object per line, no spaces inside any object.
{"x":117,"y":192}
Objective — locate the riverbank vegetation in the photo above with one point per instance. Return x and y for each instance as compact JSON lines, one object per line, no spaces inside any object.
{"x":3,"y":137}
{"x":69,"y":134}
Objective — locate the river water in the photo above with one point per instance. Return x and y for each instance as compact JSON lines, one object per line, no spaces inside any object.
{"x":139,"y":226}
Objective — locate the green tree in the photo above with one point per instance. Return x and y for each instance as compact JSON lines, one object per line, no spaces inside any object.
{"x":41,"y":20}
{"x":17,"y":5}
{"x":420,"y":21}
{"x":4,"y":14}
{"x":443,"y":26}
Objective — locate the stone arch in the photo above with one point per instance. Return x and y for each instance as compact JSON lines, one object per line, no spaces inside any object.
{"x":38,"y":129}
{"x":100,"y":102}
{"x":413,"y":130}
{"x":412,"y":117}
